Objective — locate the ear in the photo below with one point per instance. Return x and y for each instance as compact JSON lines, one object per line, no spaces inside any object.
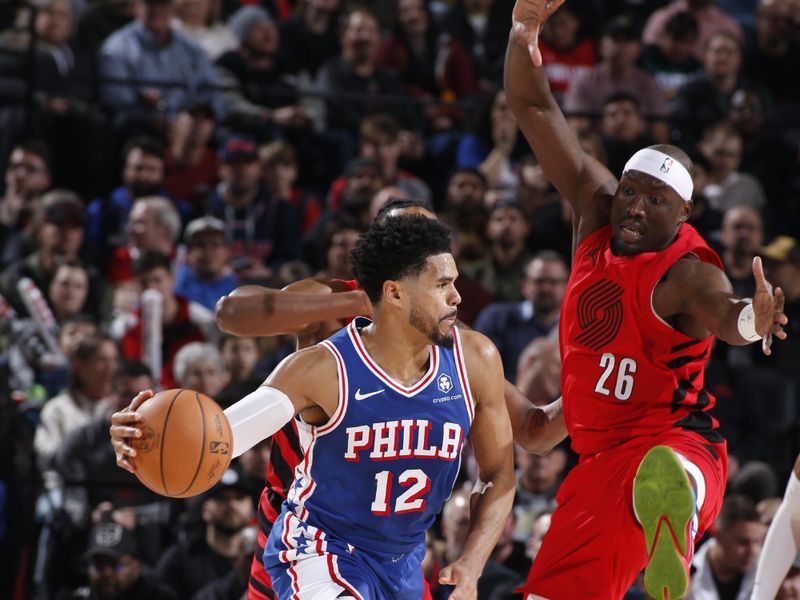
{"x":393,"y":292}
{"x":686,"y":211}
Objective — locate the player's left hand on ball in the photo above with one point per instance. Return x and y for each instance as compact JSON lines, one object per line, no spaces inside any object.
{"x":124,"y":426}
{"x":463,"y":577}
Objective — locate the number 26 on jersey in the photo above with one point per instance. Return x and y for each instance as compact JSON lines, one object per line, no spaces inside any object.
{"x":616,"y":376}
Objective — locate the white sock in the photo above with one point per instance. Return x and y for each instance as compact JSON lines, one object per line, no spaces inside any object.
{"x":780,"y":546}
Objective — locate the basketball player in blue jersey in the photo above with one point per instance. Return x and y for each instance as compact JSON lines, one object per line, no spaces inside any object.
{"x":383,"y":409}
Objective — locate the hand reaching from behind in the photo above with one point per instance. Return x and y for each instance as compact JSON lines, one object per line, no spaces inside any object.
{"x":528,"y":18}
{"x":767,"y":308}
{"x":124,"y":426}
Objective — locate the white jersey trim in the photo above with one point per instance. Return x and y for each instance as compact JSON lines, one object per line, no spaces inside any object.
{"x":408,"y":392}
{"x":462,"y":374}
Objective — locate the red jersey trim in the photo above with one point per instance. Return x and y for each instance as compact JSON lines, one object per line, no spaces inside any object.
{"x":462,"y":374}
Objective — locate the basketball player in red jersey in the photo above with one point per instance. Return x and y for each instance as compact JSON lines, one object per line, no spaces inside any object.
{"x":314,"y":309}
{"x":645,"y":299}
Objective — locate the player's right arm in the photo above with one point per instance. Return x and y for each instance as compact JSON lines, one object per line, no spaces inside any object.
{"x":582,"y":180}
{"x":304,"y":383}
{"x":253,"y":310}
{"x":538,"y":429}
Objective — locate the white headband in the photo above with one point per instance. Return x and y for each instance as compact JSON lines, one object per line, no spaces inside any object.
{"x":662,"y":167}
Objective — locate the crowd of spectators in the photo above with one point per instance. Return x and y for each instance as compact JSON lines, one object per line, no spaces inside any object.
{"x":192,"y":146}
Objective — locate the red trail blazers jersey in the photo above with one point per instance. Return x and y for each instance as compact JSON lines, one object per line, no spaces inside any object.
{"x":626,"y":372}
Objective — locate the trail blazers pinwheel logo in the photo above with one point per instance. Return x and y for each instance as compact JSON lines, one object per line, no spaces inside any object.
{"x":599,"y":314}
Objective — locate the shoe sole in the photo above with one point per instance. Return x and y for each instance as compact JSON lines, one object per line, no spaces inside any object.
{"x":664,"y":504}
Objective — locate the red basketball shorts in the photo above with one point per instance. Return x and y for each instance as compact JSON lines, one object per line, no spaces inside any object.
{"x":595,"y":547}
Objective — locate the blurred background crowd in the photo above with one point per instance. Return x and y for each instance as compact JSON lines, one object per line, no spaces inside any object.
{"x":191,"y":146}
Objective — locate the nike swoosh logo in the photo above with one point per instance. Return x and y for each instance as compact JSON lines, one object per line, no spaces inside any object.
{"x":360,"y":396}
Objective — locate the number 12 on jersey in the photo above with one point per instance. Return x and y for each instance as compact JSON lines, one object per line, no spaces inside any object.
{"x":623,"y":376}
{"x":418,"y":484}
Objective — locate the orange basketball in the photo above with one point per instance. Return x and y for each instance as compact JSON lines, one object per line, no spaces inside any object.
{"x":186,"y":443}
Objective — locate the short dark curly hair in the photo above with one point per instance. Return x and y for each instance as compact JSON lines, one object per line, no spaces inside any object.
{"x":395,"y":248}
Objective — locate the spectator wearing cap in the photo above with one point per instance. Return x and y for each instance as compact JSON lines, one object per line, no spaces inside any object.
{"x":151,"y":49}
{"x":260,"y":97}
{"x":199,"y":19}
{"x":57,"y":236}
{"x":206,"y":276}
{"x":114,"y":569}
{"x":620,"y":47}
{"x":192,"y":165}
{"x":502,"y":270}
{"x":671,"y":60}
{"x":194,"y":561}
{"x":143,"y":172}
{"x":263,"y":231}
{"x":782,"y":263}
{"x":710,"y":20}
{"x":182,"y":321}
{"x":27,"y":177}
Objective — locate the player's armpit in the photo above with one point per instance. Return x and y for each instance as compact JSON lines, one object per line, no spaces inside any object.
{"x":310,"y":379}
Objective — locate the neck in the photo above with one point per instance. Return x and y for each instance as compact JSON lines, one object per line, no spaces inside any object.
{"x":364,"y":68}
{"x":406,"y":358}
{"x":224,"y":544}
{"x":724,"y":83}
{"x":618,"y":71}
{"x":738,"y":263}
{"x":546,"y":318}
{"x":505,"y":257}
{"x":239,"y":200}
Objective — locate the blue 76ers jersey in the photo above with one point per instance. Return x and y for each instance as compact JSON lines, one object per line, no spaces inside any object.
{"x":377,"y":474}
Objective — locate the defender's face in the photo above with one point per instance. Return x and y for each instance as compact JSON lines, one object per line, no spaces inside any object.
{"x":645,"y":214}
{"x":434,"y":300}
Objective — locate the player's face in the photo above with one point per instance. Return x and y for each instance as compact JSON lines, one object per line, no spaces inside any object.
{"x":434,"y":300}
{"x":645,"y":214}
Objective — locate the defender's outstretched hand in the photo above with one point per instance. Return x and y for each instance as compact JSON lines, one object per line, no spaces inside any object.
{"x":768,"y":308}
{"x":529,"y":17}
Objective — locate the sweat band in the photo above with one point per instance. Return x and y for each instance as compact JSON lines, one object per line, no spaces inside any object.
{"x":746,"y":324}
{"x":257,"y":416}
{"x":664,"y":168}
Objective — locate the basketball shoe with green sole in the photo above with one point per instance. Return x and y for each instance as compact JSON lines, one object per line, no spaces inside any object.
{"x":664,"y":502}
